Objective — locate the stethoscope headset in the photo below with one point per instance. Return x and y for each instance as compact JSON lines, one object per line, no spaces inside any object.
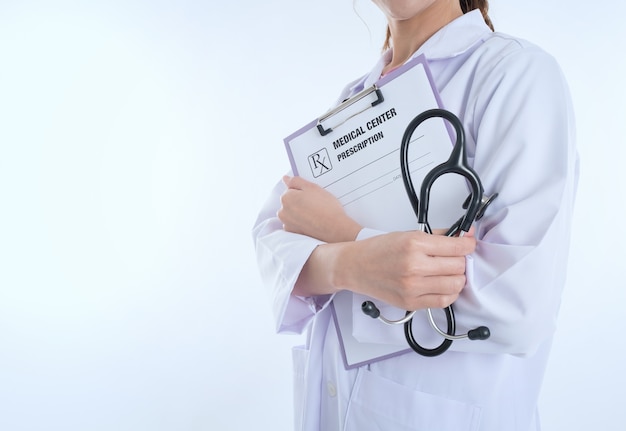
{"x":475,"y":206}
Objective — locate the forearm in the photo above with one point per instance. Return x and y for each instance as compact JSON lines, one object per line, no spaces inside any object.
{"x":319,"y":275}
{"x":410,"y":270}
{"x":281,"y":256}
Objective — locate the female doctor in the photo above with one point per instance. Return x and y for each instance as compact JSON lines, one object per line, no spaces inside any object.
{"x":508,"y":274}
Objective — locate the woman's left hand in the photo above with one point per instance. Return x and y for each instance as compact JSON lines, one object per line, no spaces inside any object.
{"x":310,"y":210}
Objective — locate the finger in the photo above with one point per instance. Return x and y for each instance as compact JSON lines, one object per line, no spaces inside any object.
{"x":471,"y":232}
{"x":300,"y":183}
{"x":436,"y":245}
{"x":432,"y":301}
{"x":295,"y":182}
{"x":443,"y":284}
{"x":291,"y":182}
{"x":442,"y":232}
{"x":443,"y":265}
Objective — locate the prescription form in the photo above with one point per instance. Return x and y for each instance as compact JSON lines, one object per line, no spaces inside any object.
{"x":358,"y":159}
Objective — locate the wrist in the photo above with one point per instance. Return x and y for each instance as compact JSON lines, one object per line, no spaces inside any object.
{"x":321,"y":274}
{"x":341,"y":266}
{"x":351,"y":230}
{"x":344,"y":230}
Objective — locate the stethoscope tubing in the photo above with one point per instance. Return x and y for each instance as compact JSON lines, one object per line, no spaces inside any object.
{"x":475,"y":205}
{"x":457,"y":164}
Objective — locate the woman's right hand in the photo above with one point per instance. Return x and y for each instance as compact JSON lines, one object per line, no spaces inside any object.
{"x":308,"y":209}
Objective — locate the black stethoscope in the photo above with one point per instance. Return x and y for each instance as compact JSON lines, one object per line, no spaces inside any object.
{"x":475,"y":206}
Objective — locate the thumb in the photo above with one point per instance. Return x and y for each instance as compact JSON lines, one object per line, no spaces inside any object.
{"x":471,"y":232}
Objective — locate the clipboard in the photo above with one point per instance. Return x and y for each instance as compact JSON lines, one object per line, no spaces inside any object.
{"x":353,"y":151}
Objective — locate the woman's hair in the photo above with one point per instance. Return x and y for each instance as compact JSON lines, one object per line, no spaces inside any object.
{"x":483,"y":5}
{"x":466,"y":6}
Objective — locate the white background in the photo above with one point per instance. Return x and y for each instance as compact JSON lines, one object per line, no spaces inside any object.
{"x":139,"y":138}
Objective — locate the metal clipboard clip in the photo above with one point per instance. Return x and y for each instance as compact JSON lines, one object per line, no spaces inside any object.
{"x":347,"y":103}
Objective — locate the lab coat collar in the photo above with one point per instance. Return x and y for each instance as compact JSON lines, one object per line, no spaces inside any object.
{"x":456,"y":38}
{"x":453,"y":40}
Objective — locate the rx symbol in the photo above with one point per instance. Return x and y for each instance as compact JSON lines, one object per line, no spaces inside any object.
{"x":320,"y":162}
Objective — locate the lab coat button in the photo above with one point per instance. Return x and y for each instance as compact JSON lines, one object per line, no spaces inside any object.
{"x":332,"y":390}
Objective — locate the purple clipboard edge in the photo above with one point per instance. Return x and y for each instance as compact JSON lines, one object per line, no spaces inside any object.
{"x":420,"y":59}
{"x":294,"y":135}
{"x":343,"y":348}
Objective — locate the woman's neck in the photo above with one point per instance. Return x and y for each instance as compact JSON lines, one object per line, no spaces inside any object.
{"x":410,"y":34}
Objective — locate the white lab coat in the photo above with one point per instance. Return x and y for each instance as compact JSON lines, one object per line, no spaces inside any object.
{"x":516,"y":110}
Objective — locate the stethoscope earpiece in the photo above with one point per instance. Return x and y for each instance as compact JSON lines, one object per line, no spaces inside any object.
{"x":369,"y":308}
{"x":480,"y":333}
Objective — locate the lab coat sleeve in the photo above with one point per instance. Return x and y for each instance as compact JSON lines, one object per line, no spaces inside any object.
{"x":280,"y":257}
{"x":523,"y":130}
